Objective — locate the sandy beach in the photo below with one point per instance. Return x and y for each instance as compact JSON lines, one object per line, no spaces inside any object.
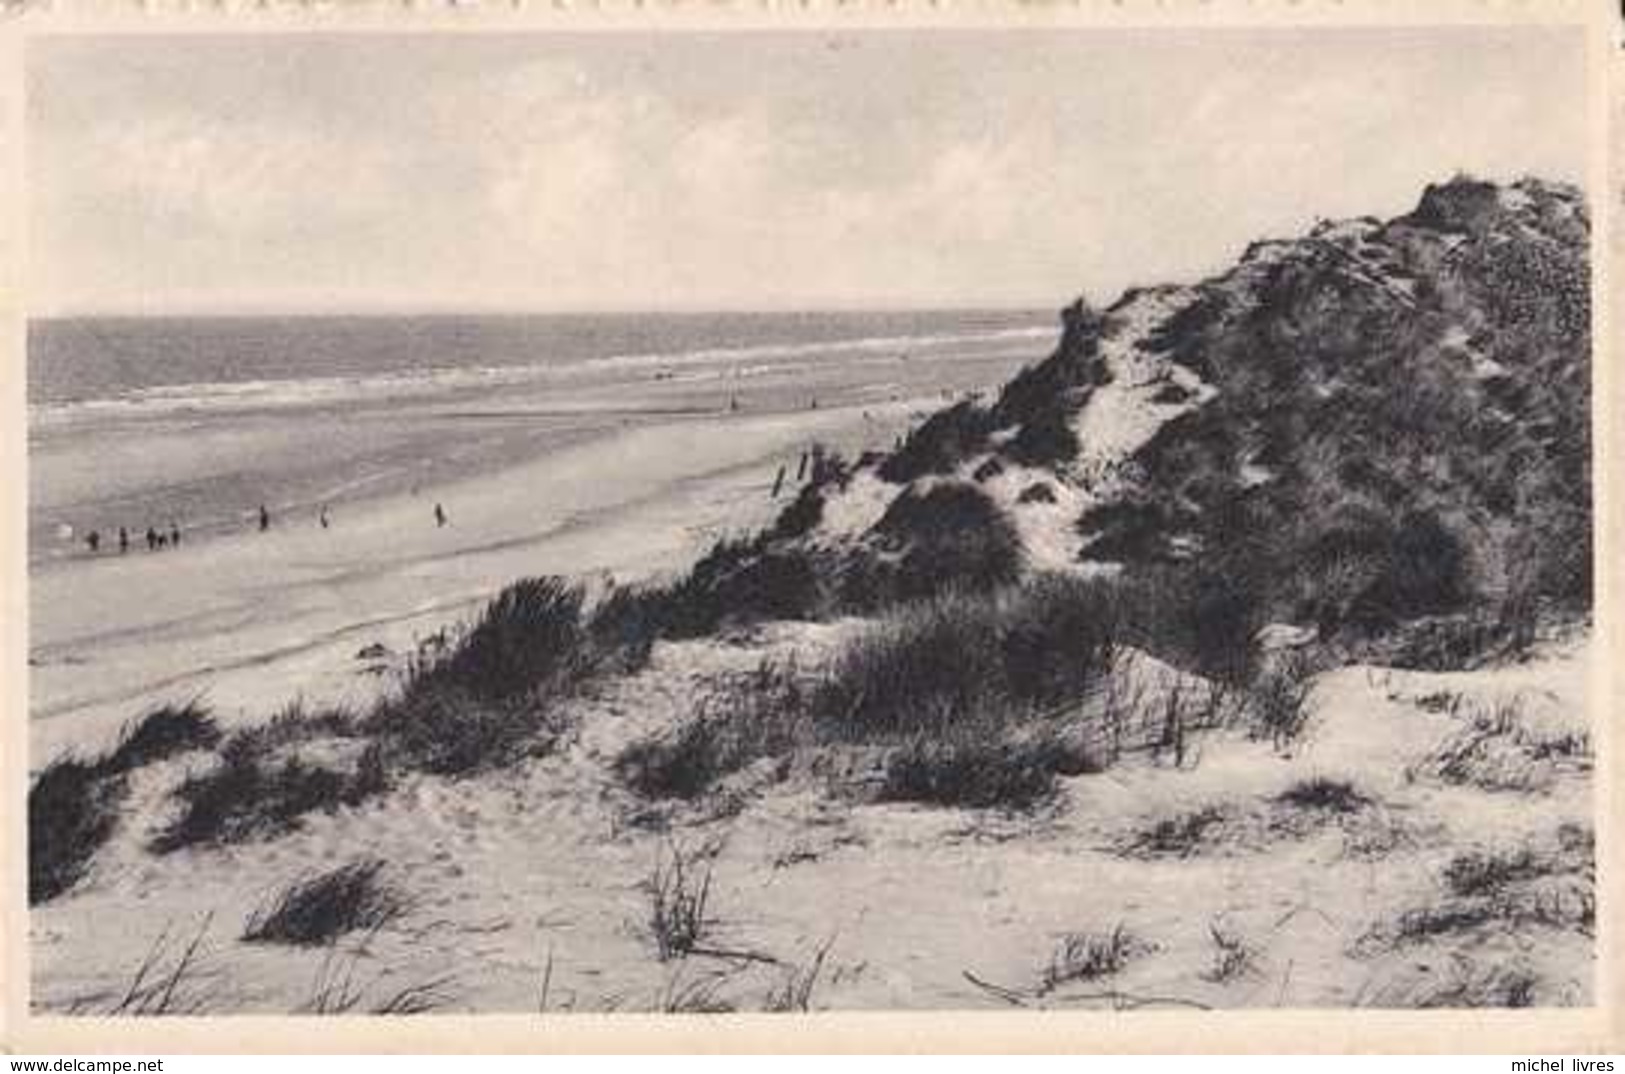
{"x":620,"y":470}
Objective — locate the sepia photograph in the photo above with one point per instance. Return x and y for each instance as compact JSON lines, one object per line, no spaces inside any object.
{"x":1073,"y":519}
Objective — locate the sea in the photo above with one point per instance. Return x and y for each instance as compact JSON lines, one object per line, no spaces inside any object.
{"x":80,"y":365}
{"x":195,"y":421}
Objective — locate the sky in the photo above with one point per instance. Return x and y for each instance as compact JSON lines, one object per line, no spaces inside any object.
{"x":901,"y":169}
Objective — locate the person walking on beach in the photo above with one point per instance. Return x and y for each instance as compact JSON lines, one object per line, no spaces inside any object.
{"x":94,"y":540}
{"x":322,"y":516}
{"x":439,"y":515}
{"x":265,"y":519}
{"x":123,"y":540}
{"x":152,"y":539}
{"x":174,"y":534}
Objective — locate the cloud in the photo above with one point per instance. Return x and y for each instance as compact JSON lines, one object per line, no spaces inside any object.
{"x":694,"y":170}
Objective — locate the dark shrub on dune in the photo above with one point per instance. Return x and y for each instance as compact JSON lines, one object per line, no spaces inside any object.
{"x":73,"y":804}
{"x":247,"y":796}
{"x":973,"y":773}
{"x":1128,"y":531}
{"x":1045,"y":439}
{"x":446,"y":730}
{"x":624,"y":626}
{"x":1196,"y":617}
{"x":949,"y":538}
{"x":958,"y":661}
{"x":964,"y":695}
{"x":492,"y":700}
{"x":530,"y":633}
{"x":946,"y":439}
{"x":802,"y":516}
{"x":72,"y":810}
{"x":1389,"y":570}
{"x":164,"y":732}
{"x":261,"y":787}
{"x":740,"y":582}
{"x":320,"y":909}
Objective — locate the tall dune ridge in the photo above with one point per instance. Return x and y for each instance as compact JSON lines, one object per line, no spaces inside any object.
{"x":1234,"y":655}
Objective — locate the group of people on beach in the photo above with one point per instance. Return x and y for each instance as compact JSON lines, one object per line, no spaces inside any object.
{"x":158,"y":539}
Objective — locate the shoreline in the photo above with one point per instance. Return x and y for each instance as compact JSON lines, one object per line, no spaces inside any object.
{"x":263,"y":620}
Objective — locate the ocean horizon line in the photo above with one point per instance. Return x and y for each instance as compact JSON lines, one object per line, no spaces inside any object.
{"x":452,"y":312}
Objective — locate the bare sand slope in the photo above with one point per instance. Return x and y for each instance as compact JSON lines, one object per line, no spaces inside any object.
{"x":530,"y":887}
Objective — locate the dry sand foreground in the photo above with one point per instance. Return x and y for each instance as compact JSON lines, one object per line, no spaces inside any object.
{"x":1199,"y":885}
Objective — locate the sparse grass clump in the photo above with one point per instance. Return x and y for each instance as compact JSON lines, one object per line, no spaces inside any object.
{"x":169,"y":980}
{"x":1233,"y":956}
{"x":319,"y":909}
{"x":1499,"y":748}
{"x":1467,"y":984}
{"x":677,"y":905}
{"x":795,"y":992}
{"x":1477,"y":873}
{"x":1278,"y":698}
{"x":1088,"y":956}
{"x":1512,"y":987}
{"x":1549,"y":884}
{"x":335,"y":989}
{"x":1324,"y":795}
{"x":1182,"y":835}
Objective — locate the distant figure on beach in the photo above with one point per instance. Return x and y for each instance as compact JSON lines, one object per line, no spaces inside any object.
{"x":733,"y":403}
{"x":174,"y":535}
{"x":814,"y":405}
{"x":321,"y":516}
{"x":163,"y":542}
{"x":439,"y":515}
{"x":94,"y":540}
{"x":778,"y":483}
{"x":123,"y":540}
{"x":152,"y":539}
{"x":265,"y":519}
